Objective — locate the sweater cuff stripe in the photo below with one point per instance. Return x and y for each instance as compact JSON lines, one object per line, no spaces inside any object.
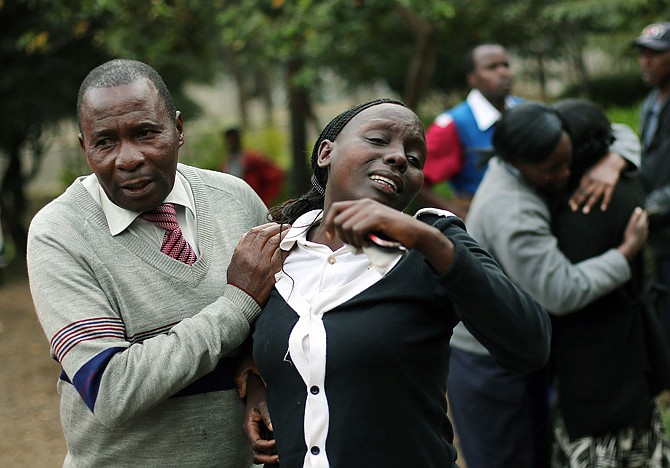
{"x":88,"y":377}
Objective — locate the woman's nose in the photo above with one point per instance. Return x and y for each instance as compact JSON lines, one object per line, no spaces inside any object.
{"x":396,"y":157}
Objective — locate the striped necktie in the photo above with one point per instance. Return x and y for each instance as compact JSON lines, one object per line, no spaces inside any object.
{"x":174,"y":243}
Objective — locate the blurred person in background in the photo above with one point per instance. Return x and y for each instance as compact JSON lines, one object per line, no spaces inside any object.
{"x":265,"y":177}
{"x":459,"y":140}
{"x":654,"y":57}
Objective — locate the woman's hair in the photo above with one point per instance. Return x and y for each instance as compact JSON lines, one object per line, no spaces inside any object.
{"x":313,"y":199}
{"x":527,"y":133}
{"x":590,"y":131}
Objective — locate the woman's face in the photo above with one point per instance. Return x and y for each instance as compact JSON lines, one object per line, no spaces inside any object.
{"x":551,"y":175}
{"x":379,"y":154}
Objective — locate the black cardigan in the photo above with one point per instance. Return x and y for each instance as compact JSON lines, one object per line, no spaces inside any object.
{"x":607,"y":359}
{"x":388,"y":354}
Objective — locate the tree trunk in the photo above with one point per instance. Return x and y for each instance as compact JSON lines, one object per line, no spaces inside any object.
{"x":242,"y":89}
{"x":541,"y":76}
{"x":575,"y":48}
{"x":299,"y":108}
{"x":422,"y":66}
{"x":265,"y":89}
{"x":13,"y":201}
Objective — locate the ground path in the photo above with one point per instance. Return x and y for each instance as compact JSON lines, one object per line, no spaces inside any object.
{"x":30,"y":432}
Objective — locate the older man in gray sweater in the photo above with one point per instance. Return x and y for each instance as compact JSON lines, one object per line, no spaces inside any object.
{"x":142,"y":289}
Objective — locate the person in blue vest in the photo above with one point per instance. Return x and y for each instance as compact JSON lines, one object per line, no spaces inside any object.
{"x":459,"y":140}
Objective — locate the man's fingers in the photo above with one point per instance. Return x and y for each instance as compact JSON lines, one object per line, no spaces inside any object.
{"x":263,"y":233}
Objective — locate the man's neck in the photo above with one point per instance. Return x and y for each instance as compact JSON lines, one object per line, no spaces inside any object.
{"x":497,"y":102}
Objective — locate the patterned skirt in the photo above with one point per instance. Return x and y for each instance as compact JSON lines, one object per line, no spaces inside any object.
{"x":629,"y":448}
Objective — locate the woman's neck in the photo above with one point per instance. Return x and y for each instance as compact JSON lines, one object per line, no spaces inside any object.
{"x":318,"y":235}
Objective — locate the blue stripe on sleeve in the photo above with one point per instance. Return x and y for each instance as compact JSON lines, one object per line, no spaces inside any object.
{"x":88,"y":377}
{"x":221,"y":378}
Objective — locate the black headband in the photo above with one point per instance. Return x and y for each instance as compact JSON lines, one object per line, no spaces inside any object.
{"x":330,"y":132}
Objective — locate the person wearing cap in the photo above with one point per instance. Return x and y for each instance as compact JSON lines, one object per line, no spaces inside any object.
{"x":354,"y":342}
{"x":654,"y":126}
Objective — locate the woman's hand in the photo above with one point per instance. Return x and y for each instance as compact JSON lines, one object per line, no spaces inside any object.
{"x":598,"y":183}
{"x":257,"y":424}
{"x":352,"y":221}
{"x":635,"y":234}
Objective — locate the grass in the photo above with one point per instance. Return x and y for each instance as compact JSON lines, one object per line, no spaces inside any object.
{"x":624,"y":115}
{"x":663,"y":402}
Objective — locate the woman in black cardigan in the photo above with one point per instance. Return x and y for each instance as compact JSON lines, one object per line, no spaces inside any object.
{"x":354,"y":341}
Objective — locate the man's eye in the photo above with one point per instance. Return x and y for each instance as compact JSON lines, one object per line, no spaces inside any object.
{"x":377,"y":141}
{"x":103,"y":142}
{"x":145,"y":133}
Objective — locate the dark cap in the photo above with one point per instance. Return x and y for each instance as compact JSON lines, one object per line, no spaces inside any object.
{"x":656,"y":36}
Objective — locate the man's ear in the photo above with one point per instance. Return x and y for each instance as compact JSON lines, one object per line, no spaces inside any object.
{"x":80,"y":137}
{"x":471,"y":80}
{"x":179,"y":123}
{"x":325,"y":150}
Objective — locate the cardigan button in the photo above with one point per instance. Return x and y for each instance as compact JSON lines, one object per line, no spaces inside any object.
{"x":315,"y":450}
{"x":332,"y":260}
{"x":314,"y":390}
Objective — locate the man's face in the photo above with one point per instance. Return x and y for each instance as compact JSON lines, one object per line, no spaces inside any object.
{"x":131,"y":143}
{"x":492,"y":74}
{"x":655,"y":67}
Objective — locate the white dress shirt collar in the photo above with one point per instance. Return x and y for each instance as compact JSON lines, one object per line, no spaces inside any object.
{"x":118,"y":219}
{"x":485,"y":113}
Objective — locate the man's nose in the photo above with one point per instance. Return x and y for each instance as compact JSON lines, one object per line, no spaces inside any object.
{"x":129,"y":156}
{"x":645,"y":56}
{"x":504,"y":70}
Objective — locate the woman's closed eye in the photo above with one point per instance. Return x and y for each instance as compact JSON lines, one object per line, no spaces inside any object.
{"x":377,"y":141}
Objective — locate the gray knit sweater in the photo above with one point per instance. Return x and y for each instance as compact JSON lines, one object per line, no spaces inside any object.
{"x":511,"y":220}
{"x":147,"y":344}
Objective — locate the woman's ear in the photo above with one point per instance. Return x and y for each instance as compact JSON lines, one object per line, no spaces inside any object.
{"x":325,"y":150}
